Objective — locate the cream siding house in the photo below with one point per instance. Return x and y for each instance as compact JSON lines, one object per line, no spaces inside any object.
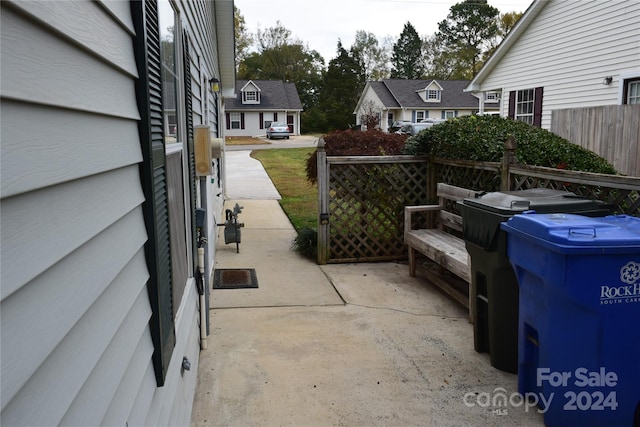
{"x":258,"y":103}
{"x":416,"y":100}
{"x":99,"y":300}
{"x":565,"y":54}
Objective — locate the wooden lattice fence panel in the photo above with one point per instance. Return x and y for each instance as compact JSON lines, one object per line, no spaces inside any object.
{"x":367,"y":196}
{"x":480,"y":176}
{"x":623,"y":193}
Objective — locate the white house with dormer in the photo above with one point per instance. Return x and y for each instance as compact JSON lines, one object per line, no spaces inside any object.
{"x":417,"y":100}
{"x":258,"y":103}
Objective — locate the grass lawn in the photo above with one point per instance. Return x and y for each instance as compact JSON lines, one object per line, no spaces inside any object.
{"x":286,"y":168}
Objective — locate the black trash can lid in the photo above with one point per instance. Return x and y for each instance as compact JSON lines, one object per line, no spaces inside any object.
{"x":542,"y":200}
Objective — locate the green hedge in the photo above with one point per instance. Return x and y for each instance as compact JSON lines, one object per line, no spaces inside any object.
{"x":481,"y":138}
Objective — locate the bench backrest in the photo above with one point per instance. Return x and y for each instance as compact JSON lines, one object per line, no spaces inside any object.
{"x":452,"y":193}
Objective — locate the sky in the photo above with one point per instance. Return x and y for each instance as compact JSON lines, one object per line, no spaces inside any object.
{"x":320,"y":23}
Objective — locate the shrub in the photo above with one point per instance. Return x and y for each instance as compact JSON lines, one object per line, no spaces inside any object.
{"x":356,"y":143}
{"x":481,"y":138}
{"x":306,"y":243}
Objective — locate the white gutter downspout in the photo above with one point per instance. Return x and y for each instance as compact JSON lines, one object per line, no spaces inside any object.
{"x":203,"y":308}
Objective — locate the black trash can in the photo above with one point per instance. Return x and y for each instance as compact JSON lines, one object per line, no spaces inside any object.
{"x":495,"y":321}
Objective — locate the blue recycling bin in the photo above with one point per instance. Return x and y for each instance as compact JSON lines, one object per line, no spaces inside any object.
{"x":579,"y":323}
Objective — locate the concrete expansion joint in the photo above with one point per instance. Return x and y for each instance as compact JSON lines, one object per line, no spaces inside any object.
{"x":406,"y":312}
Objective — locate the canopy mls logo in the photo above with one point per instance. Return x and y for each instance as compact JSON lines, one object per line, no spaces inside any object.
{"x":623,"y":294}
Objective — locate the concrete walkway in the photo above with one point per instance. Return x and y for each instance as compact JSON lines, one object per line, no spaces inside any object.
{"x":342,"y":344}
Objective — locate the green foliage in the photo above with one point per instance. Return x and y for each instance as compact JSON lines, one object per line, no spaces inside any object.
{"x":306,"y":243}
{"x":481,"y":138}
{"x":341,"y":88}
{"x":469,"y":25}
{"x":406,"y":60}
{"x":356,"y":143}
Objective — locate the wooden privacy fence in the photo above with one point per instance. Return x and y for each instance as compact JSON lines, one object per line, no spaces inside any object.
{"x":362,"y":198}
{"x":611,"y":131}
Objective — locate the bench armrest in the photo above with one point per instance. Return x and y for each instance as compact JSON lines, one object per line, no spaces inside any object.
{"x":408,"y":210}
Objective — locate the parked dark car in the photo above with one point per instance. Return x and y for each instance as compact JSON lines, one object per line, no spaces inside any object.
{"x":278,"y":130}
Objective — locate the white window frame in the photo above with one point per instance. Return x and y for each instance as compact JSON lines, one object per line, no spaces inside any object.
{"x":434,"y":95}
{"x":632,"y":90}
{"x":624,"y":80}
{"x":491,"y":97}
{"x":250,"y":97}
{"x":421,"y":115}
{"x":525,"y":105}
{"x":235,"y":118}
{"x":449,"y":114}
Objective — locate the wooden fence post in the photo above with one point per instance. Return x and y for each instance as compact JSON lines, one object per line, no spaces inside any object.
{"x":508,"y":159}
{"x":323,"y":203}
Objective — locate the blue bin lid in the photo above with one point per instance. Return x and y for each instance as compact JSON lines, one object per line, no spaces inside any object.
{"x":571,"y":233}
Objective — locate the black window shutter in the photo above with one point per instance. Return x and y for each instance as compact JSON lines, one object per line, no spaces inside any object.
{"x":227,"y":118}
{"x":537,"y":107}
{"x":190,"y":148}
{"x":241,"y":120}
{"x":512,"y":104}
{"x":275,"y":117}
{"x":261,"y":120}
{"x":154,"y":183}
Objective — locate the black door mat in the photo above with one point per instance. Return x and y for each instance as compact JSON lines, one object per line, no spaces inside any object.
{"x":235,"y":278}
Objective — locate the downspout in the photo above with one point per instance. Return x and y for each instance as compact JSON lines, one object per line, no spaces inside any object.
{"x":203,"y":309}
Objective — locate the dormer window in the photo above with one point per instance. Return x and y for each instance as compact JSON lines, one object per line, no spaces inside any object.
{"x":431,"y":93}
{"x":250,"y":97}
{"x":250,"y":93}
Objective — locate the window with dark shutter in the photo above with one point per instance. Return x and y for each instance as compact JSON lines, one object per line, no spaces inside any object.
{"x":154,"y":182}
{"x":526,"y":106}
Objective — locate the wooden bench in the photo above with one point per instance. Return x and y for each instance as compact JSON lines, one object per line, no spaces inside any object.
{"x":439,"y":241}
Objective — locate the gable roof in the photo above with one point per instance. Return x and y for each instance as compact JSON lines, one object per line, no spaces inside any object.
{"x":402,"y":93}
{"x":274,"y":95}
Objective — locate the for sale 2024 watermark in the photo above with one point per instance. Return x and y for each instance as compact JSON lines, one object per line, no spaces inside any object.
{"x":589,"y":391}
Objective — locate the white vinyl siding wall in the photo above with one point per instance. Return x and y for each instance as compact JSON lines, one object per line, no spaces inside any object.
{"x":75,"y":342}
{"x":569,"y":50}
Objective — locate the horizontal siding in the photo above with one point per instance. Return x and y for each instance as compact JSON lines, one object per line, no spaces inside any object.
{"x":60,"y":145}
{"x":128,"y":390}
{"x":75,"y":19}
{"x":568,"y":49}
{"x":65,"y":292}
{"x":121,"y":12}
{"x":59,"y":379}
{"x":42,"y":227}
{"x":165,"y":398}
{"x":76,"y":348}
{"x":42,"y":67}
{"x":93,"y":399}
{"x":74,"y":304}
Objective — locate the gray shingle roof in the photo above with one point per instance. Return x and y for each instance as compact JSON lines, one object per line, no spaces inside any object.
{"x":402,"y":93}
{"x":274,"y":95}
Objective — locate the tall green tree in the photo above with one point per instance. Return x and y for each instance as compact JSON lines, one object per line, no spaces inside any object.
{"x":407,"y":61}
{"x":443,"y":63}
{"x":468,"y":30}
{"x":280,"y":57}
{"x":343,"y":83}
{"x":373,"y":57}
{"x":244,"y":39}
